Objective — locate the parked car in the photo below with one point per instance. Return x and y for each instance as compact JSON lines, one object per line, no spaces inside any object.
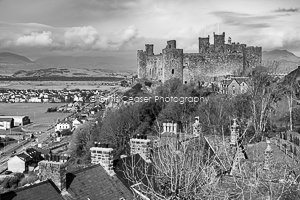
{"x":7,"y":172}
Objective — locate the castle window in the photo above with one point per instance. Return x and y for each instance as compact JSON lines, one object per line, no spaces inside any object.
{"x":185,"y":82}
{"x":172,"y":71}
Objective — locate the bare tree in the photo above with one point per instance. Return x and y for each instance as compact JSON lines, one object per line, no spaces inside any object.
{"x":263,"y":91}
{"x":190,"y":171}
{"x":176,"y":171}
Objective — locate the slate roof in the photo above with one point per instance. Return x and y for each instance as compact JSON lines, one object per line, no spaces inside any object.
{"x":42,"y":151}
{"x":94,"y":183}
{"x":6,"y":119}
{"x":24,"y":156}
{"x":45,"y":190}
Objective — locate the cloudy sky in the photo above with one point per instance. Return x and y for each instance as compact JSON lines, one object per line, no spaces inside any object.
{"x":37,"y":28}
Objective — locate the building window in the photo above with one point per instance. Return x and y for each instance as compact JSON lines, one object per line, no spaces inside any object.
{"x":185,"y":82}
{"x":172,"y":71}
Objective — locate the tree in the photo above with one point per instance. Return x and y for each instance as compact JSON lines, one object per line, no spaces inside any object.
{"x":118,"y":126}
{"x":263,"y":92}
{"x":187,"y":170}
{"x":81,"y":142}
{"x":176,"y":172}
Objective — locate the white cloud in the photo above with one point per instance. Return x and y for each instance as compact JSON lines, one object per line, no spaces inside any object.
{"x":81,"y":37}
{"x":271,"y":38}
{"x":67,"y":38}
{"x":35,"y":39}
{"x":185,"y":32}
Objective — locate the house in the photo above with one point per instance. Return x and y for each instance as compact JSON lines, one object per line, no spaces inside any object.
{"x":235,"y":85}
{"x":19,"y":163}
{"x":6,"y":123}
{"x":77,"y":122}
{"x":91,"y":183}
{"x":34,"y":154}
{"x":63,"y":125}
{"x":43,"y":152}
{"x":45,"y":190}
{"x":95,"y":183}
{"x":18,"y":120}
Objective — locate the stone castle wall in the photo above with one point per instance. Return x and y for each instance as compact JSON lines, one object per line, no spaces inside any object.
{"x":212,"y":60}
{"x":203,"y":67}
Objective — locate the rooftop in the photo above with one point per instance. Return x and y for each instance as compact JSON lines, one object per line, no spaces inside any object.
{"x":45,"y":190}
{"x":94,"y":183}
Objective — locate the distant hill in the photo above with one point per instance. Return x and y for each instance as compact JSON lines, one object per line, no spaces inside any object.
{"x":90,"y":62}
{"x":10,"y":63}
{"x":13,"y":59}
{"x":287,"y":60}
{"x":20,"y":66}
{"x":280,"y":55}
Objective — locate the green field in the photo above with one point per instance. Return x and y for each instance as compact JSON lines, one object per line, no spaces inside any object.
{"x":35,"y":111}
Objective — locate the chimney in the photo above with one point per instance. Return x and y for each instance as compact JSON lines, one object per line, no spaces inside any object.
{"x":175,"y":128}
{"x":268,"y":156}
{"x":164,"y":127}
{"x":103,"y":155}
{"x":140,"y":145}
{"x":234,"y":133}
{"x":196,"y":126}
{"x":56,"y":171}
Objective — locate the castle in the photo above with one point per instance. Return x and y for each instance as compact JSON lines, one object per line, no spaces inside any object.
{"x":212,"y":60}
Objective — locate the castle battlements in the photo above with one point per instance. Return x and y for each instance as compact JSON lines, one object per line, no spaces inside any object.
{"x":211,"y":59}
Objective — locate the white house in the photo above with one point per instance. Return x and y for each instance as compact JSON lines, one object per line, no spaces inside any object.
{"x":77,"y":122}
{"x":6,"y":123}
{"x":19,"y":163}
{"x":63,"y":125}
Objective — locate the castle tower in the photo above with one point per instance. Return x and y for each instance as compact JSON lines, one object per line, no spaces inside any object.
{"x":203,"y":44}
{"x":103,"y":155}
{"x":149,"y":49}
{"x":141,"y":145}
{"x":229,"y":40}
{"x":56,"y":171}
{"x":219,"y":42}
{"x":141,"y":63}
{"x":234,"y":133}
{"x":172,"y":62}
{"x":268,"y":156}
{"x":171,"y":44}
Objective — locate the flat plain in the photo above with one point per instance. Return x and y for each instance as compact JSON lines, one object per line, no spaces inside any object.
{"x":54,"y":85}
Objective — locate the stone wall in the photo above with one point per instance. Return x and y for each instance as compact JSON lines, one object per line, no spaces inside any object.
{"x":154,"y":67}
{"x":203,"y":67}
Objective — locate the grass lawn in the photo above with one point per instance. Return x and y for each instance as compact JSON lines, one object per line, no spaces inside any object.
{"x":35,"y":111}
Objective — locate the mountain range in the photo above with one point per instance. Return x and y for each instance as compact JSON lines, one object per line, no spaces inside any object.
{"x":84,"y":65}
{"x":11,"y":63}
{"x":287,"y":60}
